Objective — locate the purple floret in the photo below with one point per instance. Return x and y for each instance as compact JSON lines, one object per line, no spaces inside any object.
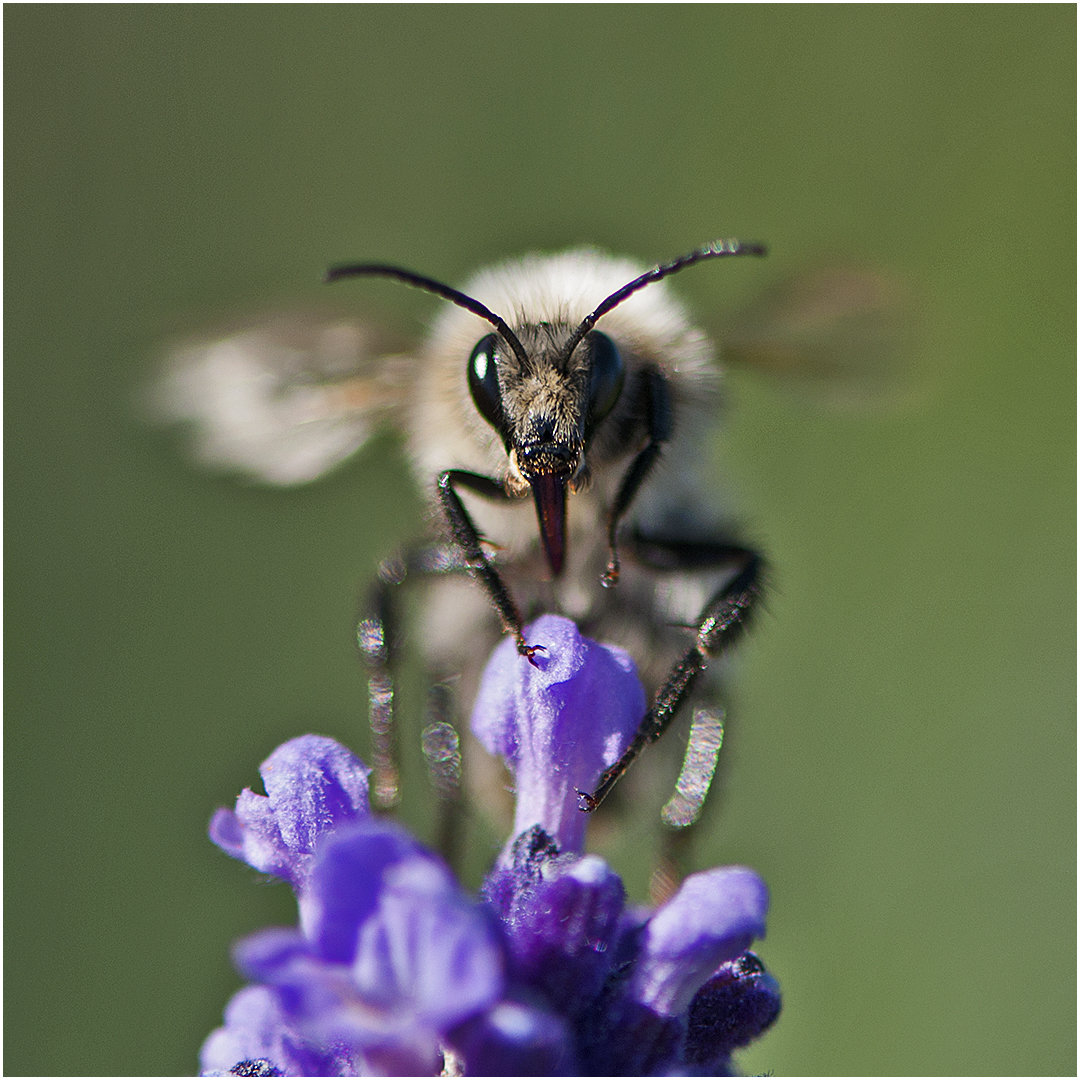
{"x":562,"y":919}
{"x":313,"y":785}
{"x":257,"y":1030}
{"x":557,"y":721}
{"x":393,"y":956}
{"x":712,"y":918}
{"x":515,"y":1039}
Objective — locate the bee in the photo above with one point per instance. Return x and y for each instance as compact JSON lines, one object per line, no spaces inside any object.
{"x":561,"y":407}
{"x":557,"y":415}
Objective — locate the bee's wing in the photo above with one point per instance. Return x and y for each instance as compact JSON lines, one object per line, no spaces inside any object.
{"x":282,"y":400}
{"x":845,"y":335}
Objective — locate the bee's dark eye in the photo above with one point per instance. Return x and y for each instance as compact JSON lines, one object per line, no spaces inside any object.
{"x":606,"y":376}
{"x":484,"y":382}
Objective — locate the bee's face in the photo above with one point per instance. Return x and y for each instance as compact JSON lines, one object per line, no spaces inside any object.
{"x":546,"y":407}
{"x":544,"y":420}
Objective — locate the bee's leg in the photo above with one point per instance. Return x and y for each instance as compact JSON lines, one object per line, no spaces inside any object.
{"x":468,"y":539}
{"x":376,"y":636}
{"x":682,"y":813}
{"x":699,"y":765}
{"x":442,"y":752}
{"x":720,"y":625}
{"x":379,"y":647}
{"x":656,"y":401}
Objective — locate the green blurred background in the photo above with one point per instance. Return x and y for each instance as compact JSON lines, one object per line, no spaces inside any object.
{"x":902,"y":767}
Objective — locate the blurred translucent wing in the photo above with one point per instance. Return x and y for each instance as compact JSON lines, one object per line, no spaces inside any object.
{"x":283,"y":400}
{"x":843,"y":335}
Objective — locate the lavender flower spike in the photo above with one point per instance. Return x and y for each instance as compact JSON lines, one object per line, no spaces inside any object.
{"x":395,"y":970}
{"x":558,"y":722}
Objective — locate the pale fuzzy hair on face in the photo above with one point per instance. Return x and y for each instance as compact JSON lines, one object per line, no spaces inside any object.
{"x":567,"y":287}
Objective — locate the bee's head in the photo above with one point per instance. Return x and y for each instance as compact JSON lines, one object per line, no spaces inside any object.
{"x":546,"y":388}
{"x":546,"y":403}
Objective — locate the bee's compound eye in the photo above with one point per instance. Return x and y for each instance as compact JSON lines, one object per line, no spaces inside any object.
{"x":606,"y":376}
{"x":484,"y":381}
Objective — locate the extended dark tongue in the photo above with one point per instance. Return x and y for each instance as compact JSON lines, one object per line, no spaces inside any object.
{"x":549,"y":491}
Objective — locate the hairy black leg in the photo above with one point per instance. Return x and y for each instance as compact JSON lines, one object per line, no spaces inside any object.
{"x":480,"y":566}
{"x":656,"y":400}
{"x":720,"y":625}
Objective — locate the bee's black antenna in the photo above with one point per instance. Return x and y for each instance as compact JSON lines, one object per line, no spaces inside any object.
{"x":335,"y":273}
{"x":717,"y":249}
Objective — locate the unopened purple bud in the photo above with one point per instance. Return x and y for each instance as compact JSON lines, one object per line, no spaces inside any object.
{"x":736,"y":1005}
{"x":562,"y":917}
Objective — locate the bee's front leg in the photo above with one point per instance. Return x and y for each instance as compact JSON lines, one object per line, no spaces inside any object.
{"x":468,"y":540}
{"x":720,"y":625}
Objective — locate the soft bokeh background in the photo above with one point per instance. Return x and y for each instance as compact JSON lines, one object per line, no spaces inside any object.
{"x":902,"y":767}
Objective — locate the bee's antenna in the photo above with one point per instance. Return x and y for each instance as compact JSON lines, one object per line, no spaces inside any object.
{"x":717,"y":249}
{"x":335,"y":273}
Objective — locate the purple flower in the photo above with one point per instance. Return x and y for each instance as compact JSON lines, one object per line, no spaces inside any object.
{"x":313,"y":785}
{"x":713,"y":918}
{"x":393,"y":956}
{"x":257,"y":1030}
{"x":394,"y":969}
{"x":557,"y":721}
